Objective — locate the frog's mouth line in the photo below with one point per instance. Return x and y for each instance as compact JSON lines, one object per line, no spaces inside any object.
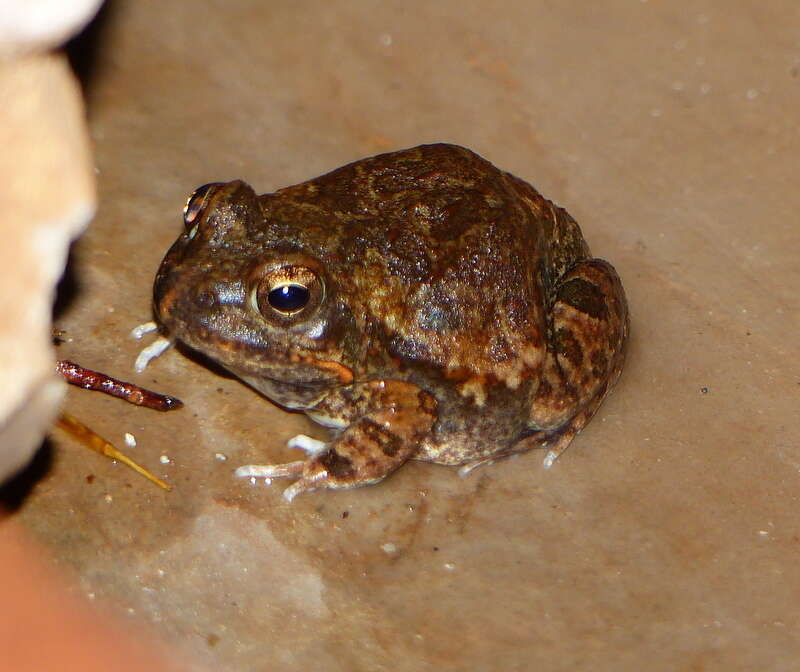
{"x":291,"y":394}
{"x":251,"y":354}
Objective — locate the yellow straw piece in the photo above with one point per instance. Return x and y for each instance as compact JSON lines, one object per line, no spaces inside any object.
{"x":94,"y":441}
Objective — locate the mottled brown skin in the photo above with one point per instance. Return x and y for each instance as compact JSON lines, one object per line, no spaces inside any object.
{"x":455,"y":315}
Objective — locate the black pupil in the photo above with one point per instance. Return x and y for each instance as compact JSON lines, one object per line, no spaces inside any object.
{"x":288,"y":298}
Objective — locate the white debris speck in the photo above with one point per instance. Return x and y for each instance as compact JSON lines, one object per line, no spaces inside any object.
{"x":130,"y":440}
{"x":161,"y":573}
{"x":449,"y":566}
{"x":91,"y":596}
{"x":164,"y":459}
{"x":108,"y":498}
{"x":253,"y":480}
{"x":549,"y":459}
{"x":142,"y":329}
{"x":763,"y":533}
{"x":389,"y":548}
{"x":220,"y":457}
{"x":267,"y":481}
{"x":149,"y":353}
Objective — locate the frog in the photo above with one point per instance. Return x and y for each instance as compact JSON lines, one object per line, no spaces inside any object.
{"x":421,"y":304}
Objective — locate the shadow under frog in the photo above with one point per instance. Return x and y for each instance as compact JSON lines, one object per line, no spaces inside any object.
{"x":422,"y":304}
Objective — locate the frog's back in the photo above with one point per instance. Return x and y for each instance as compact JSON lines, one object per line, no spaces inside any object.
{"x":445,"y":259}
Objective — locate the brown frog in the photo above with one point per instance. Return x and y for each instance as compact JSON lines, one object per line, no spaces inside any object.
{"x":422,"y":304}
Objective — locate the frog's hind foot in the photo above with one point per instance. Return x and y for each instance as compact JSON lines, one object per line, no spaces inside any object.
{"x":537,"y":440}
{"x":555,"y":442}
{"x":557,"y":447}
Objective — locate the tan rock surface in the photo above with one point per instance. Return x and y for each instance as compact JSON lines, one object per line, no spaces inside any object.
{"x":665,"y":538}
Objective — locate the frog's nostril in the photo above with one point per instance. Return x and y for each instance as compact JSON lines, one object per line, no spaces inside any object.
{"x":205,"y":298}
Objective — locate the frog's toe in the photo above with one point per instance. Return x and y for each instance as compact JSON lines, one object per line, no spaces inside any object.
{"x":288,"y":469}
{"x":311,"y":447}
{"x":305,"y":484}
{"x":466,"y":469}
{"x":143,"y":329}
{"x":550,"y":458}
{"x":149,"y":353}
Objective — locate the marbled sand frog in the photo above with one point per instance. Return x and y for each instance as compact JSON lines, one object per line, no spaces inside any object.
{"x":422,"y":304}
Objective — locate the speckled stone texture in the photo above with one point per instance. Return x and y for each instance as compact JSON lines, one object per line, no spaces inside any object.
{"x":665,"y":538}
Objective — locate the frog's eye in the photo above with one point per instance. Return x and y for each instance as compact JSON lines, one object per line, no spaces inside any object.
{"x":288,"y":298}
{"x":194,"y":205}
{"x":288,"y":294}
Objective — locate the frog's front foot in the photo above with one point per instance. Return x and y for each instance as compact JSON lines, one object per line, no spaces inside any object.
{"x":398,"y":415}
{"x":310,"y":474}
{"x":353,"y":460}
{"x":312,"y":447}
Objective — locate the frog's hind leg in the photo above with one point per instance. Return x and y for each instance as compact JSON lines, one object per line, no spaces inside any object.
{"x":554,"y":441}
{"x":587,"y":338}
{"x":587,"y":334}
